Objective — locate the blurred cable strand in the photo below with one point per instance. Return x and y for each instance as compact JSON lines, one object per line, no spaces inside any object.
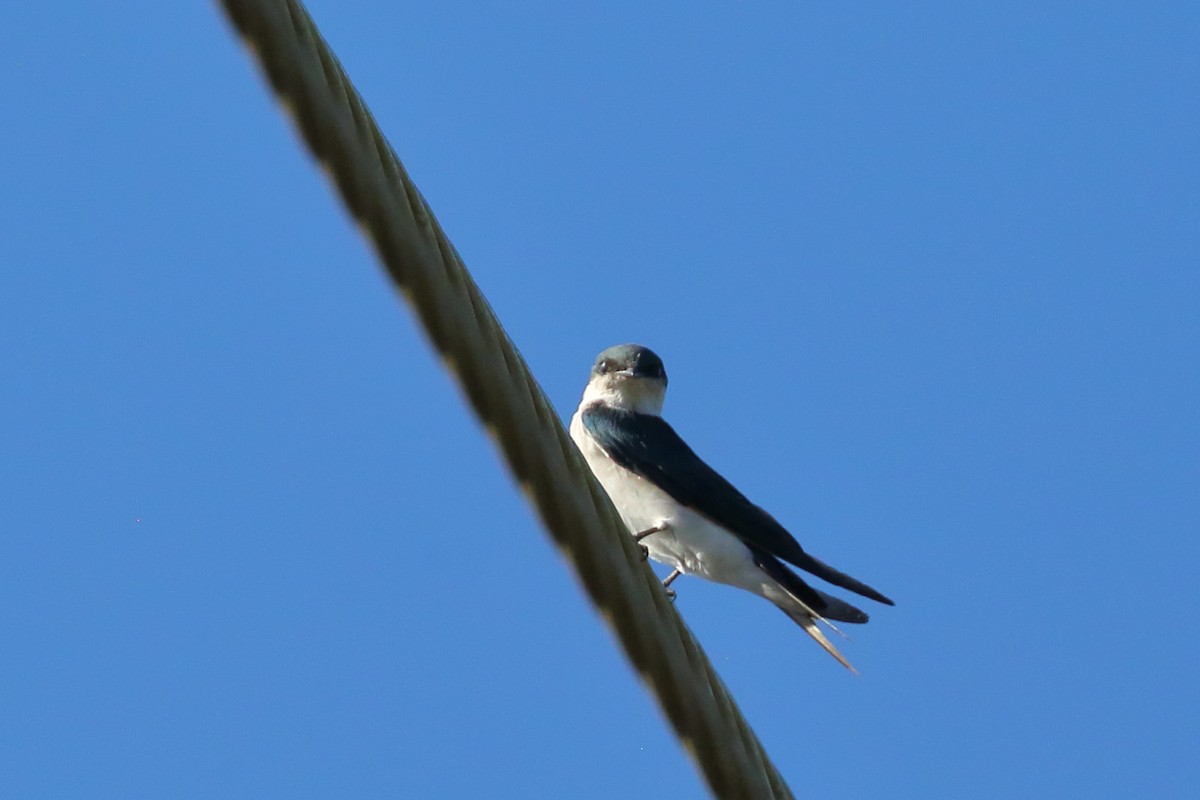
{"x":342,"y":135}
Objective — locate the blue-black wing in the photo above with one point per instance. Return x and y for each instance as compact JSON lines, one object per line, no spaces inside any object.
{"x":648,"y":446}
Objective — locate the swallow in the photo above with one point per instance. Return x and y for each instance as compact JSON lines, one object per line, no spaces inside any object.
{"x":683,"y":512}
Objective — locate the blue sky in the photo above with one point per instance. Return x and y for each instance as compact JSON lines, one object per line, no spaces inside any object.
{"x":926,"y":284}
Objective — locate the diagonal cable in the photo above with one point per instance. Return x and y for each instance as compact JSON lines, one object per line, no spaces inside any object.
{"x":342,"y":135}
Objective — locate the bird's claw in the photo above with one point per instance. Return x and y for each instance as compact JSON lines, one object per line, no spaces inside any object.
{"x":667,"y":581}
{"x":637,"y":537}
{"x":659,"y":528}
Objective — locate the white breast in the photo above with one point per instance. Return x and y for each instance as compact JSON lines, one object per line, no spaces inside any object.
{"x":693,"y":544}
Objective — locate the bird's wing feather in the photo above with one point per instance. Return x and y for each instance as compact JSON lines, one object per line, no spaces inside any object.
{"x":829,"y":607}
{"x":649,"y":447}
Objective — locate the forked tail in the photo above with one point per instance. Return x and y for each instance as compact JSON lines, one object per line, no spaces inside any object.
{"x":807,"y":620}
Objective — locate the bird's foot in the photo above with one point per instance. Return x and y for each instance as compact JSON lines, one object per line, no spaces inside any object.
{"x":662,"y":526}
{"x":637,"y":537}
{"x":667,"y":581}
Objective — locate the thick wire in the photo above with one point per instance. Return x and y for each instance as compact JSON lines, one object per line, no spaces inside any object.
{"x":343,"y":136}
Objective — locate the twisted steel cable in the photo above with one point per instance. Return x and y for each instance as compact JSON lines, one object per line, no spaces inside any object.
{"x":343,"y":136}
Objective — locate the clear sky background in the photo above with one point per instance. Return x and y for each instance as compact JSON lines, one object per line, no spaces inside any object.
{"x":927,"y":287}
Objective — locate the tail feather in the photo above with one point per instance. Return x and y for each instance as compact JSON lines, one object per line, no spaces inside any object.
{"x":825,"y":572}
{"x":808,"y":621}
{"x":839,"y":610}
{"x":799,"y":601}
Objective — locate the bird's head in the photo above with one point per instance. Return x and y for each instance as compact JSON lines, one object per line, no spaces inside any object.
{"x":628,"y":376}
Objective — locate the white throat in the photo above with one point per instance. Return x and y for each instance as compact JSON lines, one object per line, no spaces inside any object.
{"x":642,"y":395}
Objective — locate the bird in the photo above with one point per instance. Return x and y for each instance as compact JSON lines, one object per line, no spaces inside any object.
{"x":683,"y":512}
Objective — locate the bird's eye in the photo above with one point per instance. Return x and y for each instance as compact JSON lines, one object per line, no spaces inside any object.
{"x":604,"y":367}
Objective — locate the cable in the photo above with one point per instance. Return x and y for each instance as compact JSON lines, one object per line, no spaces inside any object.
{"x":343,"y":136}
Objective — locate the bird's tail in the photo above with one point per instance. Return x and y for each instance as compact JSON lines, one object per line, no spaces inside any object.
{"x":804,"y":616}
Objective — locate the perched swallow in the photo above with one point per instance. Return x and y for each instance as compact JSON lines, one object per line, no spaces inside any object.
{"x":682,"y":511}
